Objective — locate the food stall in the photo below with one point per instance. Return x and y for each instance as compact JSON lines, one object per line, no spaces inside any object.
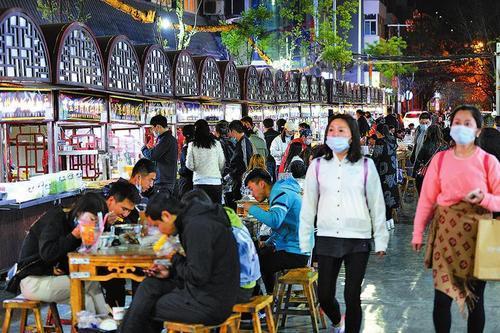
{"x":251,"y":93}
{"x":80,"y":129}
{"x":210,"y":83}
{"x":327,"y":110}
{"x":158,"y":87}
{"x":268,"y":90}
{"x":186,"y":87}
{"x":26,"y":133}
{"x":280,"y":109}
{"x":231,"y":90}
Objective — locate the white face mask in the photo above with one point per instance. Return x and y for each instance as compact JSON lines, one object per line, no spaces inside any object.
{"x":338,"y":144}
{"x":462,"y":135}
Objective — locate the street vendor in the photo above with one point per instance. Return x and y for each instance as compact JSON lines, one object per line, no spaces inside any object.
{"x":281,"y":250}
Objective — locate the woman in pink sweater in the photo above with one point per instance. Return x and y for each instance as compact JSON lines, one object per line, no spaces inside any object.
{"x":461,"y":186}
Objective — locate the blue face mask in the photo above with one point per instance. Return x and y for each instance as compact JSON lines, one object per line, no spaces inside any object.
{"x":424,"y":127}
{"x":337,"y":144}
{"x":462,"y":135}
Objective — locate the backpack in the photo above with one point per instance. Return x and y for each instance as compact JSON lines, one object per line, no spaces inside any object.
{"x":249,"y":259}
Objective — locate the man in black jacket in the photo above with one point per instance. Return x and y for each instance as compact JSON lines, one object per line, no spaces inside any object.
{"x":43,"y":260}
{"x":199,"y":287}
{"x":164,"y":153}
{"x":222,"y":134}
{"x":239,"y":162}
{"x":270,"y":134}
{"x":363,"y":126}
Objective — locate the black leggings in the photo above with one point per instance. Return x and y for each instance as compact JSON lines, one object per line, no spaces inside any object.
{"x":213,"y":191}
{"x":442,"y":314}
{"x":355,"y":268}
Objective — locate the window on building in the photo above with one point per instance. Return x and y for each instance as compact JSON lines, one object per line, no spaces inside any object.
{"x":191,"y":5}
{"x":370,"y":24}
{"x":163,"y":3}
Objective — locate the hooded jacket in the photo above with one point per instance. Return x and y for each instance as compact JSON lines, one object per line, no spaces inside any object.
{"x":210,"y":271}
{"x":283,"y":215}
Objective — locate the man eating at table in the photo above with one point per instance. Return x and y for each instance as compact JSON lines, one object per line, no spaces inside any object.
{"x":199,"y":287}
{"x":121,"y":199}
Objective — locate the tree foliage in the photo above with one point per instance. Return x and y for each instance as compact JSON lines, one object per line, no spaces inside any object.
{"x":334,"y":28}
{"x":57,"y":11}
{"x":391,"y":47}
{"x":251,"y":26}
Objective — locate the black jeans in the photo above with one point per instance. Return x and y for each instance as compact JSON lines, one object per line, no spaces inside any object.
{"x":272,"y":261}
{"x":213,"y":191}
{"x":115,"y":291}
{"x":355,"y":268}
{"x":442,"y":314}
{"x":159,"y":300}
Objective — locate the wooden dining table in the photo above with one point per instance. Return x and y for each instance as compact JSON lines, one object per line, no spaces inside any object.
{"x":120,"y":262}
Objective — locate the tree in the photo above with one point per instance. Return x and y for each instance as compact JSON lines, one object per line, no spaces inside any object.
{"x":250,"y":26}
{"x":391,"y":47}
{"x":334,"y":27}
{"x":459,"y":27}
{"x":290,"y":39}
{"x":57,"y":11}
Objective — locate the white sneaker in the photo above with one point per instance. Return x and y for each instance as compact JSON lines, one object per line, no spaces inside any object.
{"x":392,"y":223}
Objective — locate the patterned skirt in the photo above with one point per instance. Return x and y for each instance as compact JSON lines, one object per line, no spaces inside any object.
{"x":450,"y":251}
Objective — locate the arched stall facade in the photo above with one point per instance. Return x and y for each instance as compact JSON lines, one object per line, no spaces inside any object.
{"x":251,"y":93}
{"x":26,"y":121}
{"x":314,"y":116}
{"x":25,"y":114}
{"x":210,"y":83}
{"x":268,"y":89}
{"x":281,"y":82}
{"x":81,"y":113}
{"x":306,"y":111}
{"x":231,"y":90}
{"x":127,"y":114}
{"x":158,"y":87}
{"x":186,"y":86}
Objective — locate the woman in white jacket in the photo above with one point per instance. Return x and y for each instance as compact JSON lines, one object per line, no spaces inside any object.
{"x":343,"y":190}
{"x":280,"y":143}
{"x":205,"y":158}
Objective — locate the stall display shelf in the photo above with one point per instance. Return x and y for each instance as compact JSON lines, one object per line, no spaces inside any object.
{"x":81,"y":152}
{"x":31,"y":203}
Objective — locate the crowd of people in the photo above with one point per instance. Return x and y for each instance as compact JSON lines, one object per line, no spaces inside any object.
{"x":332,"y":203}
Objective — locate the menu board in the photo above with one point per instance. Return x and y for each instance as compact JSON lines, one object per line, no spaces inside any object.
{"x":232,"y":112}
{"x":271,"y":112}
{"x":212,"y":112}
{"x":166,"y":109}
{"x":294,"y":111}
{"x":126,"y":110}
{"x":26,"y":105}
{"x":324,"y":111}
{"x":188,"y":112}
{"x":82,"y":108}
{"x":315,"y":111}
{"x":255,"y":112}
